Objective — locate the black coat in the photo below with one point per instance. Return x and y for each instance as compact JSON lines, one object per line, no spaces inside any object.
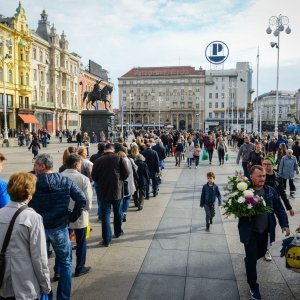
{"x":109,"y":171}
{"x":143,"y":172}
{"x":161,"y":151}
{"x":151,"y":160}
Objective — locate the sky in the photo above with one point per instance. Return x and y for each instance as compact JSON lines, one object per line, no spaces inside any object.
{"x":122,"y":34}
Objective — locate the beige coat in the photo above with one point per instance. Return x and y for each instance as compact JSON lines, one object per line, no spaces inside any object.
{"x":84,"y":184}
{"x":26,"y":271}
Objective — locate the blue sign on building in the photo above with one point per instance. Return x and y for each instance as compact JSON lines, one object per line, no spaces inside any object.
{"x":216,"y":52}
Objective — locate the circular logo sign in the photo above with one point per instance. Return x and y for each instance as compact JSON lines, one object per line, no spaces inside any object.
{"x":216,"y":52}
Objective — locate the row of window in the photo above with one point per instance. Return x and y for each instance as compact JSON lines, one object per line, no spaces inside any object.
{"x":157,"y":81}
{"x":9,"y":100}
{"x":154,"y":104}
{"x":222,"y":95}
{"x":160,"y":90}
{"x":23,"y":102}
{"x":221,"y":115}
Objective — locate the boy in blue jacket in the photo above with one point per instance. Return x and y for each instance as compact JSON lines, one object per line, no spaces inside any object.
{"x":210,"y":192}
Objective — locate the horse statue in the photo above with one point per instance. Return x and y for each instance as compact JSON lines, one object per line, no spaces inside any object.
{"x":98,"y":94}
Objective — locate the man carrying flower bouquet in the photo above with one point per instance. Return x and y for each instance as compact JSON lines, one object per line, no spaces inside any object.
{"x":255,"y":228}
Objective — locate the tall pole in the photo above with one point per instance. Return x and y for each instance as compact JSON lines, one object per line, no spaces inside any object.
{"x":257,"y":76}
{"x":278,"y":23}
{"x":237,"y":114}
{"x":130,"y":100}
{"x":277,"y":83}
{"x":260,"y":112}
{"x":159,"y":99}
{"x":246,"y":102}
{"x":122,"y":118}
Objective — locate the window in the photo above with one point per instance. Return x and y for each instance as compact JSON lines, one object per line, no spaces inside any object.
{"x":241,"y":115}
{"x":222,"y":115}
{"x":35,"y":75}
{"x":20,"y":102}
{"x":197,"y":106}
{"x":9,"y":100}
{"x":21,"y":79}
{"x":235,"y":115}
{"x":41,"y":56}
{"x":190,"y":104}
{"x":222,"y":105}
{"x":210,"y":115}
{"x":217,"y":87}
{"x":26,"y":102}
{"x":216,"y":115}
{"x":175,"y":104}
{"x":210,"y":104}
{"x":216,"y":95}
{"x":27,"y":79}
{"x":216,"y":105}
{"x":34,"y":53}
{"x":1,"y":99}
{"x":210,"y":96}
{"x":223,"y":95}
{"x":1,"y":74}
{"x":247,"y":115}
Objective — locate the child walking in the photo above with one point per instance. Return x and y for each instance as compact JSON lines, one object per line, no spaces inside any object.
{"x":210,"y":192}
{"x":197,"y":153}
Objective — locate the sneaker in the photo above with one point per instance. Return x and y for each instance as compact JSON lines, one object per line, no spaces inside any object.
{"x":124,"y":218}
{"x":196,"y":167}
{"x":268,"y":256}
{"x":83,"y":271}
{"x":292,"y":194}
{"x":147,"y":198}
{"x":207,"y":227}
{"x":103,"y":244}
{"x":122,"y":233}
{"x":255,"y":294}
{"x":56,"y":277}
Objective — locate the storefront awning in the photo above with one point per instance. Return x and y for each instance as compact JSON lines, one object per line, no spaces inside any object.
{"x":29,"y":119}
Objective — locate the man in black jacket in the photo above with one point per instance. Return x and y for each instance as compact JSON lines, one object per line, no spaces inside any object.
{"x":254,"y":231}
{"x":110,"y":171}
{"x":153,"y":164}
{"x":161,"y":152}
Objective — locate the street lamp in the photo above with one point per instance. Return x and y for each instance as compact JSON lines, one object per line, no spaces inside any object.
{"x":246,"y":98}
{"x":159,"y":100}
{"x":130,"y":117}
{"x":277,"y":23}
{"x":7,"y":43}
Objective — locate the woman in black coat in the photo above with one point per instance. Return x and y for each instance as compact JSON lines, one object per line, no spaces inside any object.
{"x":143,"y":180}
{"x":35,"y":145}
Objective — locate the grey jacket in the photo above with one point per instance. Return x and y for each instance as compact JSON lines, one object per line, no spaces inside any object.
{"x":288,"y":167}
{"x":26,"y":272}
{"x":84,"y":184}
{"x":245,"y":151}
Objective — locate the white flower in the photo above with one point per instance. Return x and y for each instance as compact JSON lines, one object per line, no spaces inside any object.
{"x":248,"y":193}
{"x":249,"y":206}
{"x":242,"y":186}
{"x":229,"y":201}
{"x":264,"y":203}
{"x":234,"y":194}
{"x":241,"y":199}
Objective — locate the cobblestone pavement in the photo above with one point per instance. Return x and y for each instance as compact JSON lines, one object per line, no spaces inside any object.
{"x":166,"y":252}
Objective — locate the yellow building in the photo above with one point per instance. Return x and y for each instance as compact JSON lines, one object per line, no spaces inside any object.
{"x":15,"y":69}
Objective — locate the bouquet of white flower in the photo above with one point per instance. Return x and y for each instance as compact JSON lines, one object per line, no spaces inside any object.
{"x":241,"y":201}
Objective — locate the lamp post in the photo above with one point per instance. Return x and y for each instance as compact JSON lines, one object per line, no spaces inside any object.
{"x":130,"y":117}
{"x":246,"y":101}
{"x":7,"y":43}
{"x":277,"y":23}
{"x":159,"y":100}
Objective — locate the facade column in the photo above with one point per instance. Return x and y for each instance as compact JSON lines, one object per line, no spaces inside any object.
{"x":177,"y":122}
{"x":186,"y":120}
{"x":171,"y":119}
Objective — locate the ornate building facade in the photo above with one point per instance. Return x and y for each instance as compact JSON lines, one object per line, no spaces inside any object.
{"x":55,"y":73}
{"x":15,"y":66}
{"x":162,"y":96}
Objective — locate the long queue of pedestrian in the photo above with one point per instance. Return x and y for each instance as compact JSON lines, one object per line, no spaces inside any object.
{"x":52,"y":204}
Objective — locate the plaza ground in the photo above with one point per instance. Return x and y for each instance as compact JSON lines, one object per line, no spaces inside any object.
{"x":166,"y":252}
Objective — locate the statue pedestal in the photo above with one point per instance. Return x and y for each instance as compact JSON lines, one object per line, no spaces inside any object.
{"x":97,"y":120}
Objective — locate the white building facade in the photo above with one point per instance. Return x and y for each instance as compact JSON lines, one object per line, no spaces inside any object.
{"x":162,"y":96}
{"x":228,"y":98}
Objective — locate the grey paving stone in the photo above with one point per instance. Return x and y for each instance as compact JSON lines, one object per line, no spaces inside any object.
{"x":200,"y":227}
{"x":210,"y":265}
{"x":208,"y":289}
{"x":159,"y":287}
{"x":169,"y":241}
{"x":173,"y":212}
{"x":177,"y":225}
{"x":165,"y":262}
{"x":208,"y":242}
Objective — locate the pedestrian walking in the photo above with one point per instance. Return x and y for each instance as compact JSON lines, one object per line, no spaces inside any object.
{"x":222,"y":149}
{"x":34,"y":146}
{"x":244,"y":152}
{"x":287,"y":169}
{"x":197,"y":153}
{"x":210,"y":146}
{"x":189,"y":152}
{"x":178,"y":151}
{"x":210,"y":192}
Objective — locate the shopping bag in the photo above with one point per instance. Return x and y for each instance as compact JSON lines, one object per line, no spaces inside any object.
{"x":292,"y":254}
{"x":226,"y":156}
{"x":173,"y":150}
{"x":44,"y":297}
{"x":88,"y":229}
{"x":204,"y":155}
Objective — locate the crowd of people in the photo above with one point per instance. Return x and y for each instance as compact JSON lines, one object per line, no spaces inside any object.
{"x":58,"y":203}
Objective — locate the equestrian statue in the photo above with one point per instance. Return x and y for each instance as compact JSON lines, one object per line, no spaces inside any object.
{"x":98,"y":94}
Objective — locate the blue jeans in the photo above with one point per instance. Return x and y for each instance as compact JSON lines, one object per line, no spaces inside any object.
{"x":80,"y":248}
{"x":154,"y":184}
{"x":96,"y":185}
{"x":189,"y":161}
{"x":60,"y":241}
{"x":125,"y":204}
{"x":106,"y":210}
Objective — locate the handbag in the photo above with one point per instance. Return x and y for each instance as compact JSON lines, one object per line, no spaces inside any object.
{"x":226,"y":156}
{"x":6,"y":241}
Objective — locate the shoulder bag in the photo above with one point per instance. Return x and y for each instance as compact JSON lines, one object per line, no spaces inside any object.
{"x":6,"y":241}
